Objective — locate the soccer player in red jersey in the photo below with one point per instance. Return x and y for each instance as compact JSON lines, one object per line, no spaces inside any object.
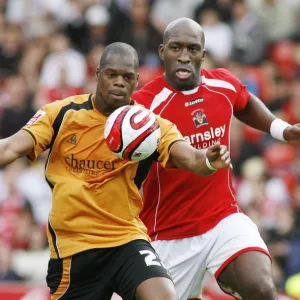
{"x":196,"y":225}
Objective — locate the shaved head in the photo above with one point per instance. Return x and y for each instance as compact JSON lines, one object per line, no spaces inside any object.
{"x":187,"y":23}
{"x":117,"y":77}
{"x":121,"y":49}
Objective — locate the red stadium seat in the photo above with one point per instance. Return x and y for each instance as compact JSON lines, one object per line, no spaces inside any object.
{"x":279,"y":154}
{"x":148,"y":73}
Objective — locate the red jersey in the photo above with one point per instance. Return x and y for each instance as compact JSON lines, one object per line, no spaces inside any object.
{"x":177,"y":203}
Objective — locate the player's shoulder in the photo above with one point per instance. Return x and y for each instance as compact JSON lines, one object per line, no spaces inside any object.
{"x":149,"y":91}
{"x":69,"y":102}
{"x":154,"y":85}
{"x":151,"y":88}
{"x":220,"y":78}
{"x":218,"y":73}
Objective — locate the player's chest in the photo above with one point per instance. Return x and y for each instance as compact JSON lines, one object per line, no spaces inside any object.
{"x":81,"y":147}
{"x":195,"y":111}
{"x":203,"y":118}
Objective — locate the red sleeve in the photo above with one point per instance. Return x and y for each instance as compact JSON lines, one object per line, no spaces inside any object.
{"x":241,"y":97}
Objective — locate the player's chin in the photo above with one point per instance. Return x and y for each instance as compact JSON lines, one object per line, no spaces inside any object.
{"x":117,"y":102}
{"x":185,"y":84}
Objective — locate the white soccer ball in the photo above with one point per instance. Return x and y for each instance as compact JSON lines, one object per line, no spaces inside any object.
{"x":132,"y":132}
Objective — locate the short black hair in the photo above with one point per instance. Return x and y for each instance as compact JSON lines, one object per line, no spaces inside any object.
{"x":120,"y":49}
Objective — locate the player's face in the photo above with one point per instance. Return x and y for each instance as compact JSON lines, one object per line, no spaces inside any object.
{"x":183,"y":54}
{"x":116,"y":82}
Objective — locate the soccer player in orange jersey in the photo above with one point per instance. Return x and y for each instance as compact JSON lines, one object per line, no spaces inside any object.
{"x":98,"y":243}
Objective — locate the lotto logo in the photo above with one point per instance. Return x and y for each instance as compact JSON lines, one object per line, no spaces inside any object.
{"x":193,"y":102}
{"x":36,"y":117}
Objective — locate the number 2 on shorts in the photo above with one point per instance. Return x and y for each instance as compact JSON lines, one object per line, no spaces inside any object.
{"x":151,"y":258}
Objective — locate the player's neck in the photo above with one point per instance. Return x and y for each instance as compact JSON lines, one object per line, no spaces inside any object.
{"x":99,"y":105}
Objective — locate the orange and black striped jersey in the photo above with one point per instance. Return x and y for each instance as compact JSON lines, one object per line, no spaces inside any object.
{"x":96,"y":200}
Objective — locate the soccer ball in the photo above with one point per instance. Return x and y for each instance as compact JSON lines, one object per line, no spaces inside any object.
{"x":132,"y":132}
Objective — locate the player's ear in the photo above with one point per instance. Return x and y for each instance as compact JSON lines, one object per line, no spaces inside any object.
{"x":203,"y":56}
{"x":137,"y":80}
{"x":161,"y":50}
{"x":97,"y":73}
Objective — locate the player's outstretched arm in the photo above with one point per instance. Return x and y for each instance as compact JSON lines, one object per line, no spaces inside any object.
{"x":258,"y":116}
{"x":17,"y":145}
{"x":201,"y":162}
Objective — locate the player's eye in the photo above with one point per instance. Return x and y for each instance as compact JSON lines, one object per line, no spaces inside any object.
{"x":128,"y":77}
{"x":194,"y":49}
{"x":175,"y":48}
{"x":111,"y":75}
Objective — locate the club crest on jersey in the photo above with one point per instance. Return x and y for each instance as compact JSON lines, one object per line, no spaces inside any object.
{"x":72,"y":139}
{"x":199,"y":117}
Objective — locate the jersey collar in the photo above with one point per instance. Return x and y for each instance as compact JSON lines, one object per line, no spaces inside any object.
{"x":97,"y":112}
{"x":190,"y":92}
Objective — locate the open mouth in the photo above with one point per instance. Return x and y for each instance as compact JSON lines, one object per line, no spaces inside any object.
{"x":183,"y":73}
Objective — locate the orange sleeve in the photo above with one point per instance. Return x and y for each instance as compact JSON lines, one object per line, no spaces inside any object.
{"x":40,"y":129}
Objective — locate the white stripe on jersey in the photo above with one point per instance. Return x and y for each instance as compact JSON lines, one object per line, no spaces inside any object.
{"x":160,"y":97}
{"x":158,"y":201}
{"x":217,"y":83}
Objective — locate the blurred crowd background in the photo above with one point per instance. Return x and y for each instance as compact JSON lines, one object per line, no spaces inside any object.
{"x":49,"y":50}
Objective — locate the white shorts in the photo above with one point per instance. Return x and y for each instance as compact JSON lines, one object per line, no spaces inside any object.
{"x":188,"y":259}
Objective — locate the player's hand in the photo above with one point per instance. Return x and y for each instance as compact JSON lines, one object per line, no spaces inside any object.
{"x":292,"y":134}
{"x":218,"y":156}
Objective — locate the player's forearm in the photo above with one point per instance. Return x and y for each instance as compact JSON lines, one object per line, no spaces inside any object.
{"x":188,"y":158}
{"x":199,"y":166}
{"x":256,"y":115}
{"x":18,"y":145}
{"x":7,"y":155}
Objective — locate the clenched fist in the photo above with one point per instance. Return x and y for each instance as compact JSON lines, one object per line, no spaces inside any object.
{"x":219,"y":156}
{"x":292,"y":134}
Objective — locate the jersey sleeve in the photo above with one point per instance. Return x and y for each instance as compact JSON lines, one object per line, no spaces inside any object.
{"x":170,"y":135}
{"x":40,"y":129}
{"x":242,"y":95}
{"x":242,"y":99}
